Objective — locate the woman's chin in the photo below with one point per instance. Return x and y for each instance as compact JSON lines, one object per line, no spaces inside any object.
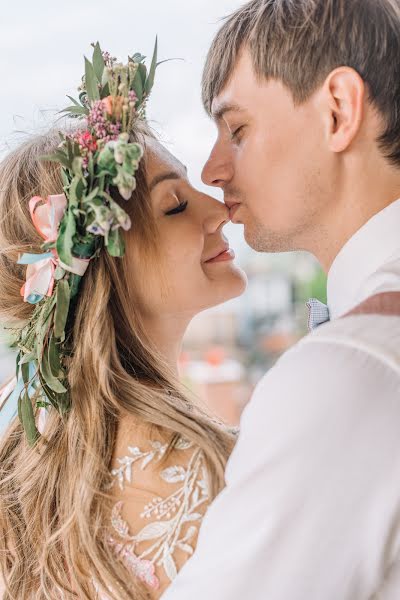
{"x":230,"y":286}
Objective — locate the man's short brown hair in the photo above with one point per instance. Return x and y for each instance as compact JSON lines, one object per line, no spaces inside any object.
{"x":299,"y":42}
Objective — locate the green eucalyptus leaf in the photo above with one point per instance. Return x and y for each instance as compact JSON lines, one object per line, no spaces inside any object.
{"x":65,"y":237}
{"x":17,"y":365}
{"x":41,"y":334}
{"x":58,"y":156}
{"x":137,"y":86}
{"x":91,"y":167}
{"x":91,"y":81}
{"x":54,"y":359}
{"x":59,"y":273}
{"x":143,"y":73}
{"x":104,"y":81}
{"x":51,"y":381}
{"x":105,"y":91}
{"x":98,"y":62}
{"x":68,"y":144}
{"x":25,"y":372}
{"x":27,"y":417}
{"x":76,"y":189}
{"x":74,"y":281}
{"x":63,"y":296}
{"x":75,"y":102}
{"x":77,"y":166}
{"x":116,"y":244}
{"x":42,"y":404}
{"x":75,"y":110}
{"x":51,"y":396}
{"x":137,"y":57}
{"x":19,"y":406}
{"x":64,"y":178}
{"x":150,"y":80}
{"x":92,"y":194}
{"x":27,"y":358}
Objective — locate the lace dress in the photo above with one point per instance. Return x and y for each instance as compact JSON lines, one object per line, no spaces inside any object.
{"x":158,"y":510}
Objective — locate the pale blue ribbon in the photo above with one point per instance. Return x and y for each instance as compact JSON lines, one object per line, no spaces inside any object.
{"x":318,"y":313}
{"x":30,"y":259}
{"x":9,"y":409}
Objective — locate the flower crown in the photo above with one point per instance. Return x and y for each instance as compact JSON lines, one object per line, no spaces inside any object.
{"x":79,"y":223}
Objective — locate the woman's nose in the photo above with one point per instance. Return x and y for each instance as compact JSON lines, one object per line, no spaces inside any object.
{"x":218,"y":170}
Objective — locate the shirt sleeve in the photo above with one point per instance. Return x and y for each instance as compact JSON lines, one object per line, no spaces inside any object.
{"x":311,"y":508}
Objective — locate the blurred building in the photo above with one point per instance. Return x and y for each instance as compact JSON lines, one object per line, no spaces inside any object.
{"x":253,"y":330}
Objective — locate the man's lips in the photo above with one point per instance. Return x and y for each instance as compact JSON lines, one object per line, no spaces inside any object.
{"x":233,"y":207}
{"x":233,"y":210}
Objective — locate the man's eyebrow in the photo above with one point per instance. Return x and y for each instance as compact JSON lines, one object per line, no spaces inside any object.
{"x":223,"y":108}
{"x":164,"y":177}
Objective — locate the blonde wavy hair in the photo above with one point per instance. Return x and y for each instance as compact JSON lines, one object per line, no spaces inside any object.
{"x":54,"y":503}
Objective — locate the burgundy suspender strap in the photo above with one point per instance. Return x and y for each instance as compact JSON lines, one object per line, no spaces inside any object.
{"x":385,"y":303}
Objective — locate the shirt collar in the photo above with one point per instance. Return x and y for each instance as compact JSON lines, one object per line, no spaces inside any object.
{"x":371,"y":246}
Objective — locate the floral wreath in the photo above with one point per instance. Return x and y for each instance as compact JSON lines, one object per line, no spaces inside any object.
{"x":78,"y":224}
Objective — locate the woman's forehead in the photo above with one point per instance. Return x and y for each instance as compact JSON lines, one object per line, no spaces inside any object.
{"x":160,"y":160}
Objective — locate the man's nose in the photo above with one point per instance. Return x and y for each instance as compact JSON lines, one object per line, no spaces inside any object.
{"x":218,"y":170}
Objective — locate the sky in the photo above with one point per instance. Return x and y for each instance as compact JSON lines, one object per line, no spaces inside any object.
{"x":42,"y":44}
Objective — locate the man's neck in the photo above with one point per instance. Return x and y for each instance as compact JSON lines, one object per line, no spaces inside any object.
{"x":355,"y":205}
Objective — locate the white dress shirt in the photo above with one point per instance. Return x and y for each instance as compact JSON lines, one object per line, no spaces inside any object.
{"x":311,"y":510}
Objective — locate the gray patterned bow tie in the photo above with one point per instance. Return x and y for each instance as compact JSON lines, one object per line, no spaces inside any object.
{"x":318,"y":313}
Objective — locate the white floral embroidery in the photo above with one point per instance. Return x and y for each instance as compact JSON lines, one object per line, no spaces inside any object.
{"x":124,"y":472}
{"x":170,"y":515}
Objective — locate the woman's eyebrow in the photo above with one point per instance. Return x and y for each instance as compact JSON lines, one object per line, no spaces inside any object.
{"x":163,"y":177}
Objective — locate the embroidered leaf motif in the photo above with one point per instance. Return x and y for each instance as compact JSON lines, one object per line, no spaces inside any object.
{"x":170,"y":567}
{"x":146,"y":460}
{"x":134,"y":451}
{"x":153,"y":530}
{"x":189,"y":534}
{"x":174,"y":474}
{"x":183,"y":444}
{"x":159,"y":448}
{"x":118,"y":522}
{"x":185,"y":547}
{"x":195,"y":497}
{"x":192,"y":517}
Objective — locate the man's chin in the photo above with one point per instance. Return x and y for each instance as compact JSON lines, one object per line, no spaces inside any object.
{"x":263,"y":240}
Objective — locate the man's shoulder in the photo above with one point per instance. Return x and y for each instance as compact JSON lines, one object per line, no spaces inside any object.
{"x":377,"y":336}
{"x":339,"y":380}
{"x":339,"y":354}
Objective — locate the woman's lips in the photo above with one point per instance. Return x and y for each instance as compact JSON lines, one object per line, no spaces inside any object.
{"x":225,"y":255}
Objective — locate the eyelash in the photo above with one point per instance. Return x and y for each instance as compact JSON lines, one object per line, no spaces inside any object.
{"x":182,"y":206}
{"x":234,"y":135}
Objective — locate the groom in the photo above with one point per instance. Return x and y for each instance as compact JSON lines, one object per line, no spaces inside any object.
{"x":305,"y":95}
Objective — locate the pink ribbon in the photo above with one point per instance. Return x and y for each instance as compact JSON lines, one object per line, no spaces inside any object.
{"x":46,"y":216}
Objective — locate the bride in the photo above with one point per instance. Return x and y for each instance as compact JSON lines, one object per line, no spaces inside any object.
{"x":103,"y":487}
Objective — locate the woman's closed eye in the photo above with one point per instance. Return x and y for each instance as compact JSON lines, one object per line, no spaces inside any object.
{"x":178,"y":209}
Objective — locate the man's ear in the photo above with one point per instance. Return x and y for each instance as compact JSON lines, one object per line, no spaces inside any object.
{"x":343,"y":93}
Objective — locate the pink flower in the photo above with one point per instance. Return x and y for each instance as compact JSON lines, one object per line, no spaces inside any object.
{"x":113,"y":106}
{"x":143,"y":569}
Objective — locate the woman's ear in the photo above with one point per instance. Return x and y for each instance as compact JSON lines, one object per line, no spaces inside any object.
{"x":343,"y":93}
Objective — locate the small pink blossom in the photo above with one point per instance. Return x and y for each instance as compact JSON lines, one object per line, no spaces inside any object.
{"x":143,"y":569}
